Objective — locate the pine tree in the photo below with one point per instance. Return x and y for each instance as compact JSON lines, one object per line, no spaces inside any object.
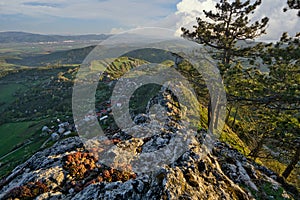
{"x":284,"y":76}
{"x":293,"y":4}
{"x":222,"y":30}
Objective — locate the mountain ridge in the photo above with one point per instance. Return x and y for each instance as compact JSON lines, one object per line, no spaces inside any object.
{"x":26,"y":37}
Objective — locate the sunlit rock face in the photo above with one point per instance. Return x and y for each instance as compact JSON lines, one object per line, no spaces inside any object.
{"x":68,"y":171}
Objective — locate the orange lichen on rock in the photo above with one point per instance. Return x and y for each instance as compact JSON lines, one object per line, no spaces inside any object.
{"x":83,"y":168}
{"x":79,"y":164}
{"x":27,"y":191}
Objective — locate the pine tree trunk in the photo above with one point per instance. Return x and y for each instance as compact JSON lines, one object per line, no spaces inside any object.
{"x":209,"y":115}
{"x":235,"y":115}
{"x":292,"y":164}
{"x":217,"y":113}
{"x":228,"y":114}
{"x":217,"y":117}
{"x":254,"y":153}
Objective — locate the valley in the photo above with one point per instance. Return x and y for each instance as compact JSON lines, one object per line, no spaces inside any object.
{"x":36,"y":85}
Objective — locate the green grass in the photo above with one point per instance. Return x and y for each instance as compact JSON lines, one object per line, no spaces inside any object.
{"x":233,"y":139}
{"x":138,"y":102}
{"x":26,"y":135}
{"x":122,"y":65}
{"x":21,"y":155}
{"x":13,"y":134}
{"x":4,"y":65}
{"x":7,"y":92}
{"x":268,"y":191}
{"x":279,"y":167}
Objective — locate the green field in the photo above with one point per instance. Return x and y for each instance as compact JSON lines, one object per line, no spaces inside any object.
{"x":30,"y":98}
{"x":18,"y":142}
{"x":13,"y":134}
{"x":7,"y":92}
{"x":37,"y":95}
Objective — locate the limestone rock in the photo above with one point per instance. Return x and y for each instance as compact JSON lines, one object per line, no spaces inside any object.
{"x":223,"y":173}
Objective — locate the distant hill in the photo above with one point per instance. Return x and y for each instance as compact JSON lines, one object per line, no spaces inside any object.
{"x":74,"y":56}
{"x":20,"y":37}
{"x":151,"y":55}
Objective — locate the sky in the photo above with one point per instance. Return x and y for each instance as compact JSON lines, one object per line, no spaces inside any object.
{"x":72,"y":17}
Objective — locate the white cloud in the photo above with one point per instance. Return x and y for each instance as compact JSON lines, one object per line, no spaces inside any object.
{"x":116,"y":30}
{"x":279,"y":21}
{"x":125,"y":11}
{"x":128,"y":14}
{"x":188,"y":10}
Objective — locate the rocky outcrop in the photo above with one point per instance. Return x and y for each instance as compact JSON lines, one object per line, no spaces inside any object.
{"x":216,"y":176}
{"x":68,"y":170}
